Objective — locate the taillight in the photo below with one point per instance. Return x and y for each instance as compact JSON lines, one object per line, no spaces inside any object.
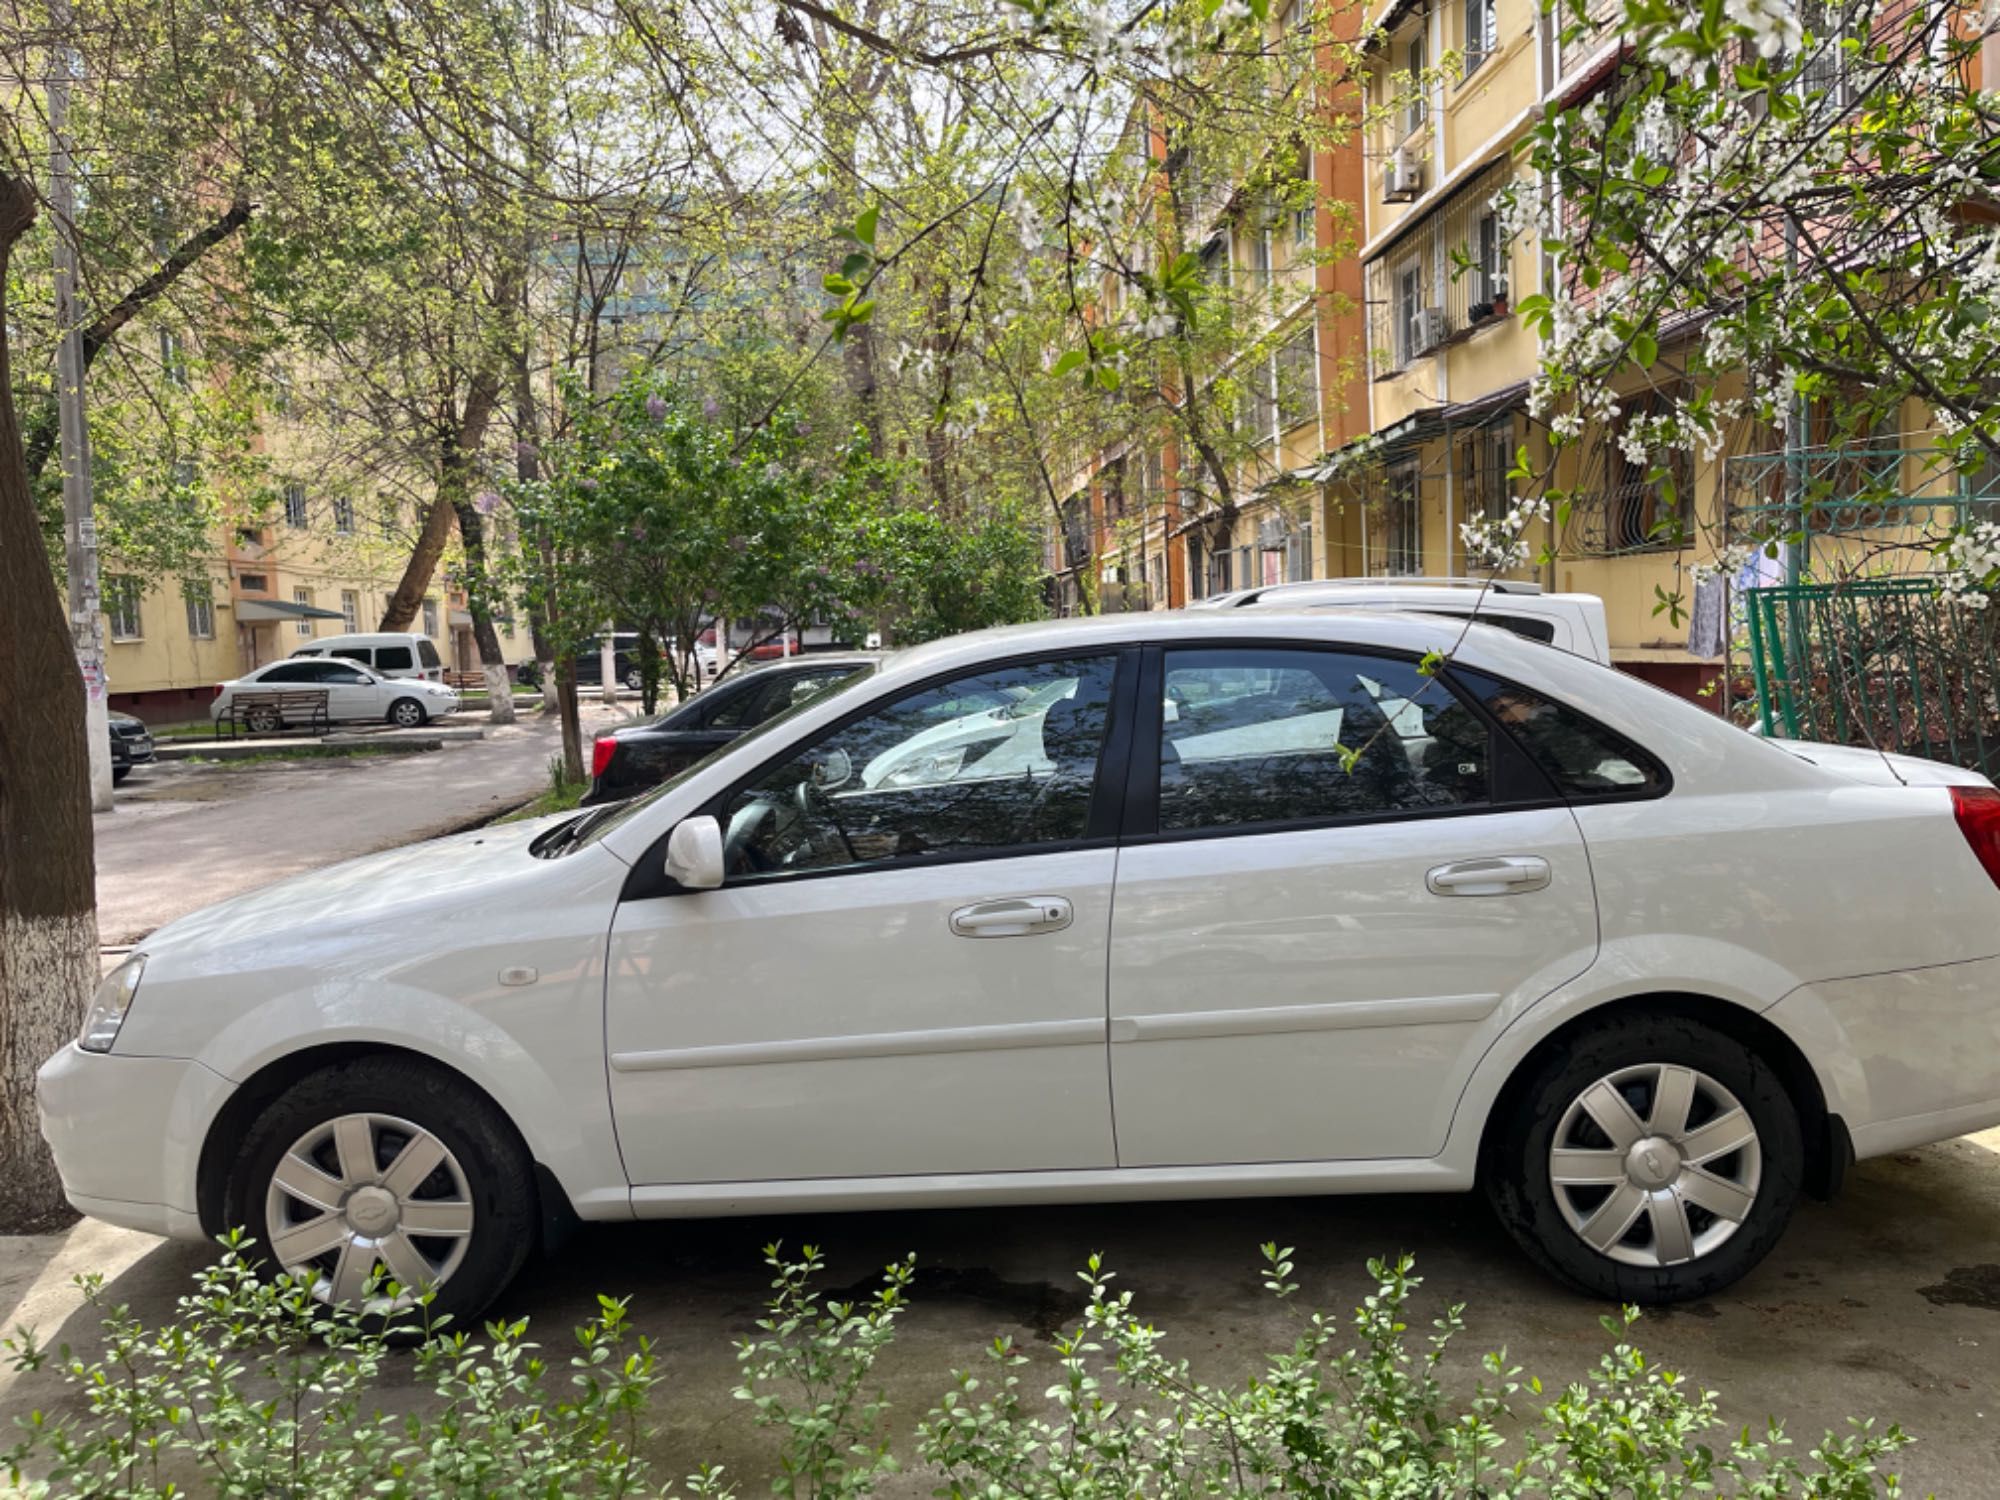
{"x":600,"y":756}
{"x":215,"y":692}
{"x":1977,"y":809}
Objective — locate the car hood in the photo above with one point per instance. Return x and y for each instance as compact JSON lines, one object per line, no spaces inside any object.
{"x":442,"y":876}
{"x":1879,"y":767}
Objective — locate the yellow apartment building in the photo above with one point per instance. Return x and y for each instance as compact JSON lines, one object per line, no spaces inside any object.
{"x":316,"y":553}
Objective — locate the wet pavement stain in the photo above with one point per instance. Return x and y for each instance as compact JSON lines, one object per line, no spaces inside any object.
{"x":1046,"y":1309}
{"x":1966,"y":1286}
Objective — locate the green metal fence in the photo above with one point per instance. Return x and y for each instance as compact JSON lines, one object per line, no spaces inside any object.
{"x":1887,"y":662}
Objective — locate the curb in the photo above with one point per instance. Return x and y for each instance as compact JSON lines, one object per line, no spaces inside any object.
{"x":250,"y":749}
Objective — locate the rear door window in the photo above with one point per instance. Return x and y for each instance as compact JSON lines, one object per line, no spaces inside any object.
{"x":1585,"y":760}
{"x":427,"y":653}
{"x":393,"y":659}
{"x":1256,"y":736}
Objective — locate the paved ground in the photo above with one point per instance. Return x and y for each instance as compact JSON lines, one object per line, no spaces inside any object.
{"x":1885,"y":1303}
{"x":182,"y":837}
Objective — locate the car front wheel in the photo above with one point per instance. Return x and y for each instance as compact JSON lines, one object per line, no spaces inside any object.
{"x":384,"y":1168}
{"x":407,"y":713}
{"x":1652,"y":1160}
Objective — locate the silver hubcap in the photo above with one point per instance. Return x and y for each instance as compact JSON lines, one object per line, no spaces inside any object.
{"x":406,"y":713}
{"x":363,"y":1191}
{"x":1655,"y":1165}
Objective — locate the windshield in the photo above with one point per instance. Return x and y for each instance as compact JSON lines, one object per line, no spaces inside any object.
{"x":598,"y":822}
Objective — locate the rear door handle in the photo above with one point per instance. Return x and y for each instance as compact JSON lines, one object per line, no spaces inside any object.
{"x":1511,"y":875}
{"x":1014,"y":916}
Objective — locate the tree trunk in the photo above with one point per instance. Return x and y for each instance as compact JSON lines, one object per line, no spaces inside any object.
{"x":48,"y":920}
{"x":499,"y":686}
{"x":458,"y":447}
{"x":572,"y":724}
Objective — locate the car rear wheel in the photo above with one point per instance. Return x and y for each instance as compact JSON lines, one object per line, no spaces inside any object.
{"x":633,"y":682}
{"x":385,"y":1167}
{"x":407,"y":713}
{"x":263,"y":721}
{"x":1652,"y":1160}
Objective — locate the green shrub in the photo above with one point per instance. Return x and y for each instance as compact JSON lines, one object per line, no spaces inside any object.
{"x":256,"y":1389}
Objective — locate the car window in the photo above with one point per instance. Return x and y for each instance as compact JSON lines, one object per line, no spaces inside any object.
{"x":902,"y":783}
{"x":291,"y":671}
{"x":393,"y":659}
{"x":1528,"y":627}
{"x":738,"y":703}
{"x":355,"y":653}
{"x":348,"y":675}
{"x":428,"y":654}
{"x":306,"y":651}
{"x":1256,"y":736}
{"x":1581,"y":756}
{"x":795,"y":688}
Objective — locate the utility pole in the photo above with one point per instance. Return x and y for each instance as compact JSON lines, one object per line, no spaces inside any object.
{"x":79,"y":526}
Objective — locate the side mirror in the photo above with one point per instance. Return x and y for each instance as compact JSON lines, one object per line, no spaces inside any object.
{"x":694,"y":854}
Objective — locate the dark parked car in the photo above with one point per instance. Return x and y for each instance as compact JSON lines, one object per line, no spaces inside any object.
{"x":639,"y":756}
{"x":131,"y":745}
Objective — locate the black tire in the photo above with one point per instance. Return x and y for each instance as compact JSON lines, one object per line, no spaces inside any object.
{"x":499,"y":1175}
{"x":407,"y":713}
{"x":119,"y":773}
{"x":1516,"y":1170}
{"x":263,"y":721}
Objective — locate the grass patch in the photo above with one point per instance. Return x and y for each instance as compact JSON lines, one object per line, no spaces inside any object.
{"x":561,"y":795}
{"x":274,"y":757}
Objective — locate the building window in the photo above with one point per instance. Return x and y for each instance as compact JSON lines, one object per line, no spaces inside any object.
{"x":200,"y":597}
{"x":1299,"y":553}
{"x":1197,"y":575}
{"x":343,"y":513}
{"x":430,"y":617}
{"x":1305,"y":213}
{"x":350,"y":611}
{"x":1218,"y":571}
{"x":1488,"y":459}
{"x":304,"y":596}
{"x":1417,"y":110}
{"x":1482,"y":31}
{"x":1215,"y":263}
{"x":295,"y":505}
{"x":173,"y":359}
{"x":1298,"y":380}
{"x":1411,"y":325}
{"x":391,"y":520}
{"x":1402,"y":521}
{"x":122,"y":593}
{"x":1256,"y":401}
{"x":1156,"y":580}
{"x":252,"y":583}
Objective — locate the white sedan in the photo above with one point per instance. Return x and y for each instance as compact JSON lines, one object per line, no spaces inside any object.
{"x":352,"y":692}
{"x":1213,"y":905}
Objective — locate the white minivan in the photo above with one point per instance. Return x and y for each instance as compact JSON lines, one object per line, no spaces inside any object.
{"x":392,"y":653}
{"x":1572,"y":622}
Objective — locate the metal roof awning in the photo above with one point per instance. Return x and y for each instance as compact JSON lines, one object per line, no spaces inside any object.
{"x":262,"y":611}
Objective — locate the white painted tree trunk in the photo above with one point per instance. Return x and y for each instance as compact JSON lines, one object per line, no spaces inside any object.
{"x":499,"y":695}
{"x":48,"y":967}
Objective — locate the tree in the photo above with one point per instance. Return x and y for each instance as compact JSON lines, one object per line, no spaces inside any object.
{"x":48,"y":920}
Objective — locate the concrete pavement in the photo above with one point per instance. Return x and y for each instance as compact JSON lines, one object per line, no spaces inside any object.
{"x":1884,"y":1304}
{"x":180,"y":838}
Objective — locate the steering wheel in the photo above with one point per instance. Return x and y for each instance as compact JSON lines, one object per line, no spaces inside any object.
{"x":744,"y":831}
{"x":816,"y":808}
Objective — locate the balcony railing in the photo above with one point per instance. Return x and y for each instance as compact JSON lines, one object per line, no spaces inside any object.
{"x":1838,"y":489}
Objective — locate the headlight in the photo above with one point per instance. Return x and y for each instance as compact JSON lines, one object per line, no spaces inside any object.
{"x":109,"y":1004}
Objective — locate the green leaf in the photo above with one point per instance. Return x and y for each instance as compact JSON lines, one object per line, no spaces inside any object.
{"x":1069,"y":362}
{"x":1645,"y":349}
{"x":864,"y":227}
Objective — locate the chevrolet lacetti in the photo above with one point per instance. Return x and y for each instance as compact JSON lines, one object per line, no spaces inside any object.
{"x":1153,"y":906}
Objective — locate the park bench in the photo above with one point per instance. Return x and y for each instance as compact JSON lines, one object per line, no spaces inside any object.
{"x":273,"y":711}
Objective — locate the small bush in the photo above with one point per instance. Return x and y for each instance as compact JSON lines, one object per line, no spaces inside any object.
{"x":256,"y":1389}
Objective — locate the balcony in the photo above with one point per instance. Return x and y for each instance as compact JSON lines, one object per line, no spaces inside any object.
{"x":1443,"y":278}
{"x":1836,"y":490}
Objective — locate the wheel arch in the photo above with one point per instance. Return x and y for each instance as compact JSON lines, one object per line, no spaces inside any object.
{"x":1829,"y":1152}
{"x":553,"y":1209}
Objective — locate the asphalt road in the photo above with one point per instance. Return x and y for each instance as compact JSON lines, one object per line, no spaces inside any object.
{"x":180,"y":838}
{"x":1885,"y":1303}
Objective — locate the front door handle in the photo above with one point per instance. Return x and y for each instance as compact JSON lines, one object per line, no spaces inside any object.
{"x":1511,"y":875}
{"x":1015,"y":916}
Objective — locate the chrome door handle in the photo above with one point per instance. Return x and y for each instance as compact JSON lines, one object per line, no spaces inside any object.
{"x":1512,"y":875}
{"x":1015,"y":916}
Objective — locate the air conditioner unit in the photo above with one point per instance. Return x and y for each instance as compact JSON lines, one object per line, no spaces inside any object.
{"x":1404,"y":177}
{"x":1429,"y":329}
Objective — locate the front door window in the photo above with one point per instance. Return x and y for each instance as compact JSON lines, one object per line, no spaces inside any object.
{"x":1004,"y":759}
